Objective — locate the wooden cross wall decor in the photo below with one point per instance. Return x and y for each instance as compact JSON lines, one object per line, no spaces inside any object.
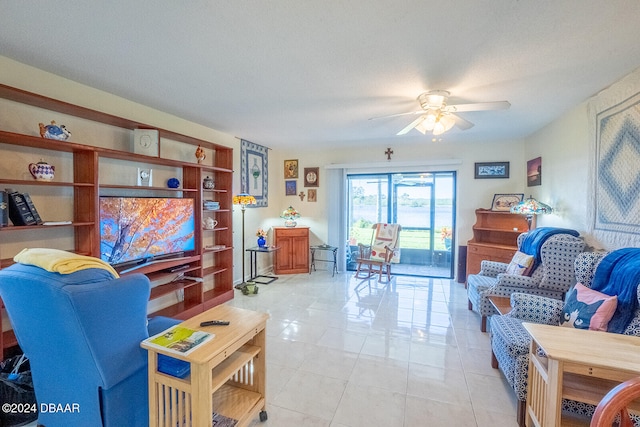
{"x":389,"y":152}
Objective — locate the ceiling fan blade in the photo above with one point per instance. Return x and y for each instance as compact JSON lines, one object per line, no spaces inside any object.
{"x":411,"y":125}
{"x":462,"y":124}
{"x":479,"y":106}
{"x":412,"y":113}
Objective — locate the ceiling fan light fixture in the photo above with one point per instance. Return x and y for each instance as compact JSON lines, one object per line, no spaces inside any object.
{"x":433,"y":99}
{"x":447,"y":122}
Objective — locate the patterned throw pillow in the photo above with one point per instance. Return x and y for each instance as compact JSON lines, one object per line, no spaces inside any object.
{"x":520,"y":264}
{"x":588,"y":309}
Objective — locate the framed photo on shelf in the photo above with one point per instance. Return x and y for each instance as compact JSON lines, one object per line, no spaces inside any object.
{"x":311,"y":177}
{"x":503,"y":202}
{"x":488,"y":170}
{"x":290,"y":169}
{"x":290,"y":188}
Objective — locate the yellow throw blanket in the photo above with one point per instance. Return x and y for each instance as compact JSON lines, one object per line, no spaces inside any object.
{"x":63,"y":262}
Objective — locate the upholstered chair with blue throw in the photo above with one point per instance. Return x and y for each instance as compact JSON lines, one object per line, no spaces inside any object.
{"x":81,"y":332}
{"x":542,"y":266}
{"x":612,"y":274}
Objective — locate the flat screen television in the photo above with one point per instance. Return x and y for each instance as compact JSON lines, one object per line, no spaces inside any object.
{"x":140,"y":229}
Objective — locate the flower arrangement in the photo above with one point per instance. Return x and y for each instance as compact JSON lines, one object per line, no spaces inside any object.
{"x":290,"y":213}
{"x":445,"y":233}
{"x":261,"y":233}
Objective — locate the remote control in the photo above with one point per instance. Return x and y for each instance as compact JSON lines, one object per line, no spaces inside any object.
{"x":215,"y":323}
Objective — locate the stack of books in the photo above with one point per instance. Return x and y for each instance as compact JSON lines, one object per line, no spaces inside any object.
{"x":210,"y":205}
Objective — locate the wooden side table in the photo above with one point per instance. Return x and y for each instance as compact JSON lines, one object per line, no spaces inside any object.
{"x":581,"y":365}
{"x":502,"y":304}
{"x":227,"y":373}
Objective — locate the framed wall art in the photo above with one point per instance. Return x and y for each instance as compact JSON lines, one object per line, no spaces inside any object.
{"x":488,"y":170}
{"x":312,"y":195}
{"x":290,"y":188}
{"x":254,"y":171}
{"x":503,"y":202}
{"x":311,"y":177}
{"x":290,"y":169}
{"x":534,"y":172}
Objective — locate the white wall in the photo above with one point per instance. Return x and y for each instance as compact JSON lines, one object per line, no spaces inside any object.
{"x":564,"y":148}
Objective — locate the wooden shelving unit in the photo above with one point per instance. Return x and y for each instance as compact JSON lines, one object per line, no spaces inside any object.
{"x":495,"y":236}
{"x":208,"y":277}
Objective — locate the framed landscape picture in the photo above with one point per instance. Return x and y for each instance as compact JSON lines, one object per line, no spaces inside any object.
{"x":492,"y":170}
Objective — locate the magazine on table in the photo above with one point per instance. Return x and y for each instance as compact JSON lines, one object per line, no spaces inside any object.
{"x":179,"y":339}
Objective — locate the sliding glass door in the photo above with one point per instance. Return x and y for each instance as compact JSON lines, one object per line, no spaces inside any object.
{"x":422,"y":203}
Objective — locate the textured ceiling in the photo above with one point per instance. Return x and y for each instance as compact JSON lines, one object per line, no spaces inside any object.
{"x":296,"y":72}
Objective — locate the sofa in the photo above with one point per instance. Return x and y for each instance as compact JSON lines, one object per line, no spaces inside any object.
{"x":81,"y":333}
{"x":510,"y":341}
{"x":552,"y":277}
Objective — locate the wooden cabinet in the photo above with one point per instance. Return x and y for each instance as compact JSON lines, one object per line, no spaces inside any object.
{"x":84,"y":172}
{"x":495,"y":236}
{"x":293,"y":255}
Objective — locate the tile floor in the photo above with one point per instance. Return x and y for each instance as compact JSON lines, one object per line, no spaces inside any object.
{"x":343,"y":352}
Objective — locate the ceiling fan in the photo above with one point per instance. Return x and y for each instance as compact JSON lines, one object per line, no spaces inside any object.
{"x":438,"y":117}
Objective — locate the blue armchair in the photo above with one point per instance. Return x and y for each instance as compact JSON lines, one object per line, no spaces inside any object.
{"x":82,"y":333}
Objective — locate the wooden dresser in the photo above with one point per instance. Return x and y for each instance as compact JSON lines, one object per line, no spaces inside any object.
{"x":293,"y":256}
{"x":495,"y":236}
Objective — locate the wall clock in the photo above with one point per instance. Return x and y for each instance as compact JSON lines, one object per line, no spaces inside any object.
{"x":146,"y":141}
{"x":311,"y":177}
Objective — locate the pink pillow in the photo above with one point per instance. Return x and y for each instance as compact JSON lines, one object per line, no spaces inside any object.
{"x":520,"y":264}
{"x":588,"y":309}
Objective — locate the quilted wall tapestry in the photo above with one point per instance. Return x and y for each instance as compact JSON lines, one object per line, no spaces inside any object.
{"x":254,"y":171}
{"x":614,"y":211}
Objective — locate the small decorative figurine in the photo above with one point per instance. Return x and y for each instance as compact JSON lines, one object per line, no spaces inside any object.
{"x":200,"y":155}
{"x":53,"y":131}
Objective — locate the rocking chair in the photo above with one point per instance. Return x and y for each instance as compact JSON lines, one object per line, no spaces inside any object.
{"x":384,"y":250}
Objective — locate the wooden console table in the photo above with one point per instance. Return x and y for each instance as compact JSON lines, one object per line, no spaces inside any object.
{"x":580,"y":365}
{"x":227,"y":373}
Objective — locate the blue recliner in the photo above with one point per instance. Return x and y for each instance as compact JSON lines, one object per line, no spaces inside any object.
{"x":82,"y":334}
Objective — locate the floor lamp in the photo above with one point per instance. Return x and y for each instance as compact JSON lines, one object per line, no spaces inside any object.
{"x":243,"y":200}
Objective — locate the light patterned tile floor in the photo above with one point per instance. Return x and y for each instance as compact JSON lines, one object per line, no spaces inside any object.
{"x":343,"y":352}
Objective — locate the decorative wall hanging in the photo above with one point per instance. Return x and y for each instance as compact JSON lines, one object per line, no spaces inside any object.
{"x":254,"y":171}
{"x":534,"y":172}
{"x":614,"y":205}
{"x":311,"y":177}
{"x":290,"y":188}
{"x":312,"y":196}
{"x":290,"y":169}
{"x":504,"y":202}
{"x":491,"y":170}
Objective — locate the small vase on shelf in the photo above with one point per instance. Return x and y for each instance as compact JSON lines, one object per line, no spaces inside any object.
{"x":262,"y":242}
